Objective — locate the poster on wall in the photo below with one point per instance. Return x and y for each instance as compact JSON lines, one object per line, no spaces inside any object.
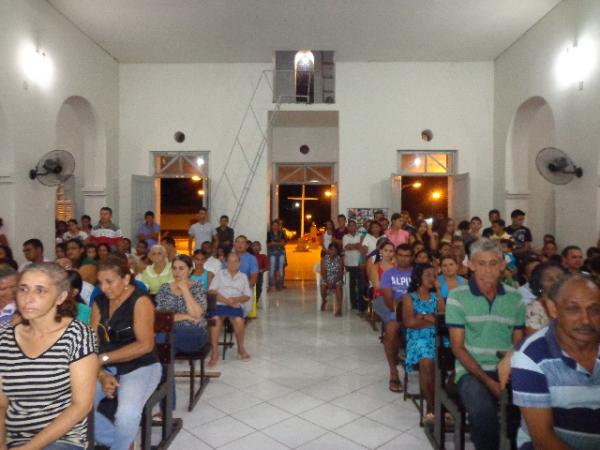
{"x":361,"y":215}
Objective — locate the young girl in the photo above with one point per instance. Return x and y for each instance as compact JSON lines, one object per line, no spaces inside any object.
{"x":200,"y":274}
{"x":419,"y":309}
{"x":332,"y":270}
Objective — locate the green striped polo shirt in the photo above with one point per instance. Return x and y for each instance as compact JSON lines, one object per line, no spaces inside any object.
{"x":488,"y":325}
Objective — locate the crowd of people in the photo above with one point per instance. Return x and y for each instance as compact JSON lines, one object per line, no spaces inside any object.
{"x":498,"y":296}
{"x":80,"y":328}
{"x":112,"y":289}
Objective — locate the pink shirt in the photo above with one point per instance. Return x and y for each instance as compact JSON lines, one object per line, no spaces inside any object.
{"x":397,"y":237}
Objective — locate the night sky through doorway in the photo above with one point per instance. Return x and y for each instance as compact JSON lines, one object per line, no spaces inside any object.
{"x":289,"y":213}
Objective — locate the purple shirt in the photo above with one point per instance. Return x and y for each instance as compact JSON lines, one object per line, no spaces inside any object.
{"x":397,"y":280}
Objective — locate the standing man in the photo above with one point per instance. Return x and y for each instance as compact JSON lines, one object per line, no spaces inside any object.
{"x":149,"y":230}
{"x":484,"y":317}
{"x":474,"y":231}
{"x":520,"y":233}
{"x":556,"y":372}
{"x":224,"y":234}
{"x":33,"y":250}
{"x":106,"y":232}
{"x":394,"y":285}
{"x":201,"y":231}
{"x":493,"y":216}
{"x":8,"y":293}
{"x":340,"y":231}
{"x":353,"y":247}
{"x":248,"y":266}
{"x":572,"y":259}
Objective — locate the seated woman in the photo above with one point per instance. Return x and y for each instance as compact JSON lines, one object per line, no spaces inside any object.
{"x":159,"y":272}
{"x":419,"y":309}
{"x":80,"y":261}
{"x":449,"y":278}
{"x":332,"y":271}
{"x":187,"y":299}
{"x":200,"y":273}
{"x":48,"y":365}
{"x":103,"y":252}
{"x":123,"y":317}
{"x":232,"y":289}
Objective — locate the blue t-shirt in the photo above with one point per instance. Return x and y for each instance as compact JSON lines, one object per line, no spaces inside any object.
{"x":248,"y":264}
{"x":396,"y":279}
{"x":148,"y":231}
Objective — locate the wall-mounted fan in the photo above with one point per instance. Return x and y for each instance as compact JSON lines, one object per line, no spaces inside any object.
{"x":556,"y":167}
{"x":54,"y":168}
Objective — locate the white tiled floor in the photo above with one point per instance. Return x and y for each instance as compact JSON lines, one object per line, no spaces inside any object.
{"x":314,"y":382}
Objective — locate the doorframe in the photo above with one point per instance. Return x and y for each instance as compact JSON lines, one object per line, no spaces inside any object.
{"x":275,"y":183}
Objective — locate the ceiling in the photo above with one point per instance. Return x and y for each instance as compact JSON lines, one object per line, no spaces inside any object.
{"x":189,"y":31}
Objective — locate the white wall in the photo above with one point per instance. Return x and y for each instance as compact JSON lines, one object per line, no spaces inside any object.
{"x":322,"y":141}
{"x":529,"y":69}
{"x":385,"y":106}
{"x":382,"y":108}
{"x":28,"y":115}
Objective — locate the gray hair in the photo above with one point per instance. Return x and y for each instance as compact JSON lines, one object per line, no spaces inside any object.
{"x":485,"y":245}
{"x":58,"y":275}
{"x":568,"y":279}
{"x":6,"y":271}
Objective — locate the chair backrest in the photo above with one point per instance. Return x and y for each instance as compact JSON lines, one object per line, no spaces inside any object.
{"x":510,"y":415}
{"x":163,"y":325}
{"x":445,"y":357}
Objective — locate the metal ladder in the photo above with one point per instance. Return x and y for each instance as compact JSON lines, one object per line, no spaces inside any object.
{"x":252,"y":163}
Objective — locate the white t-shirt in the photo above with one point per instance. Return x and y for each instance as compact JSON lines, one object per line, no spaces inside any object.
{"x":351,"y":257}
{"x":213,"y":264}
{"x":327,"y":239}
{"x":370,"y":242}
{"x":202,"y":232}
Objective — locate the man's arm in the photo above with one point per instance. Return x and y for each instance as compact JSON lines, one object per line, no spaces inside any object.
{"x":540,"y":424}
{"x":457,"y":340}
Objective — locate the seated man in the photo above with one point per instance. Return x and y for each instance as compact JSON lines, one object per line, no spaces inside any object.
{"x":483,"y":317}
{"x":232,"y":290}
{"x":556,"y":372}
{"x":394,"y":286}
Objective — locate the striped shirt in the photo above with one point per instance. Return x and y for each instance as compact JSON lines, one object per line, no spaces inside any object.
{"x":543,"y":376}
{"x":488,"y":325}
{"x":39,"y":389}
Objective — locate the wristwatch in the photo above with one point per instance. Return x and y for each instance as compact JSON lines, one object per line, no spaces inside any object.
{"x":104,"y":358}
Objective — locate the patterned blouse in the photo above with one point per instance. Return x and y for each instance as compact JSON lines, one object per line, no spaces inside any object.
{"x":166,"y":300}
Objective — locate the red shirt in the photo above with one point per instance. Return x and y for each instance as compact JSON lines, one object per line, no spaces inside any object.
{"x":263,"y":262}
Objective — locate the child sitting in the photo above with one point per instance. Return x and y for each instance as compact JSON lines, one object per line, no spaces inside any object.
{"x":200,"y":274}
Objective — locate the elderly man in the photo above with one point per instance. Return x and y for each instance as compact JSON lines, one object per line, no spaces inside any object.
{"x":484,"y":317}
{"x":8,"y":293}
{"x":556,"y":372}
{"x":232,"y":290}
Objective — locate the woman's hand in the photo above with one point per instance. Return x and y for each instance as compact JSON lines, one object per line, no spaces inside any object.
{"x":183,"y":285}
{"x":109,"y":384}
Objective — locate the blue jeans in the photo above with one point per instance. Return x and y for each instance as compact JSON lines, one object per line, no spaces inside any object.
{"x":134,"y":390}
{"x":482,"y":407}
{"x":276,"y":265}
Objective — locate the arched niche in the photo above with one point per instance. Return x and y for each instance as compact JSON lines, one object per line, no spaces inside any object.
{"x":79,"y":131}
{"x":532,"y":128}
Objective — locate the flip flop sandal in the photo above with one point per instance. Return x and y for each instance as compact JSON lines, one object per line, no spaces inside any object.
{"x":395,"y":386}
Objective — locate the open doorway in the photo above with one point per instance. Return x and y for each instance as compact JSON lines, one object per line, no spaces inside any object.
{"x":425,"y":195}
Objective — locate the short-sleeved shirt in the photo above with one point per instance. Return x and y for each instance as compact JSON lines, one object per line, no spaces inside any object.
{"x":230,"y":286}
{"x":488,"y":325}
{"x":201,"y":232}
{"x":154,"y":280}
{"x":248,"y":264}
{"x":396,"y":279}
{"x":39,"y":389}
{"x":147,"y":231}
{"x":167,"y":300}
{"x":397,"y":237}
{"x":225,"y":235}
{"x":520,"y":235}
{"x":544,"y":376}
{"x":351,"y":257}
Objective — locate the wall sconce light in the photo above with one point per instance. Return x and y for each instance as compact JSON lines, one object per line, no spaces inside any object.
{"x":37,"y":66}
